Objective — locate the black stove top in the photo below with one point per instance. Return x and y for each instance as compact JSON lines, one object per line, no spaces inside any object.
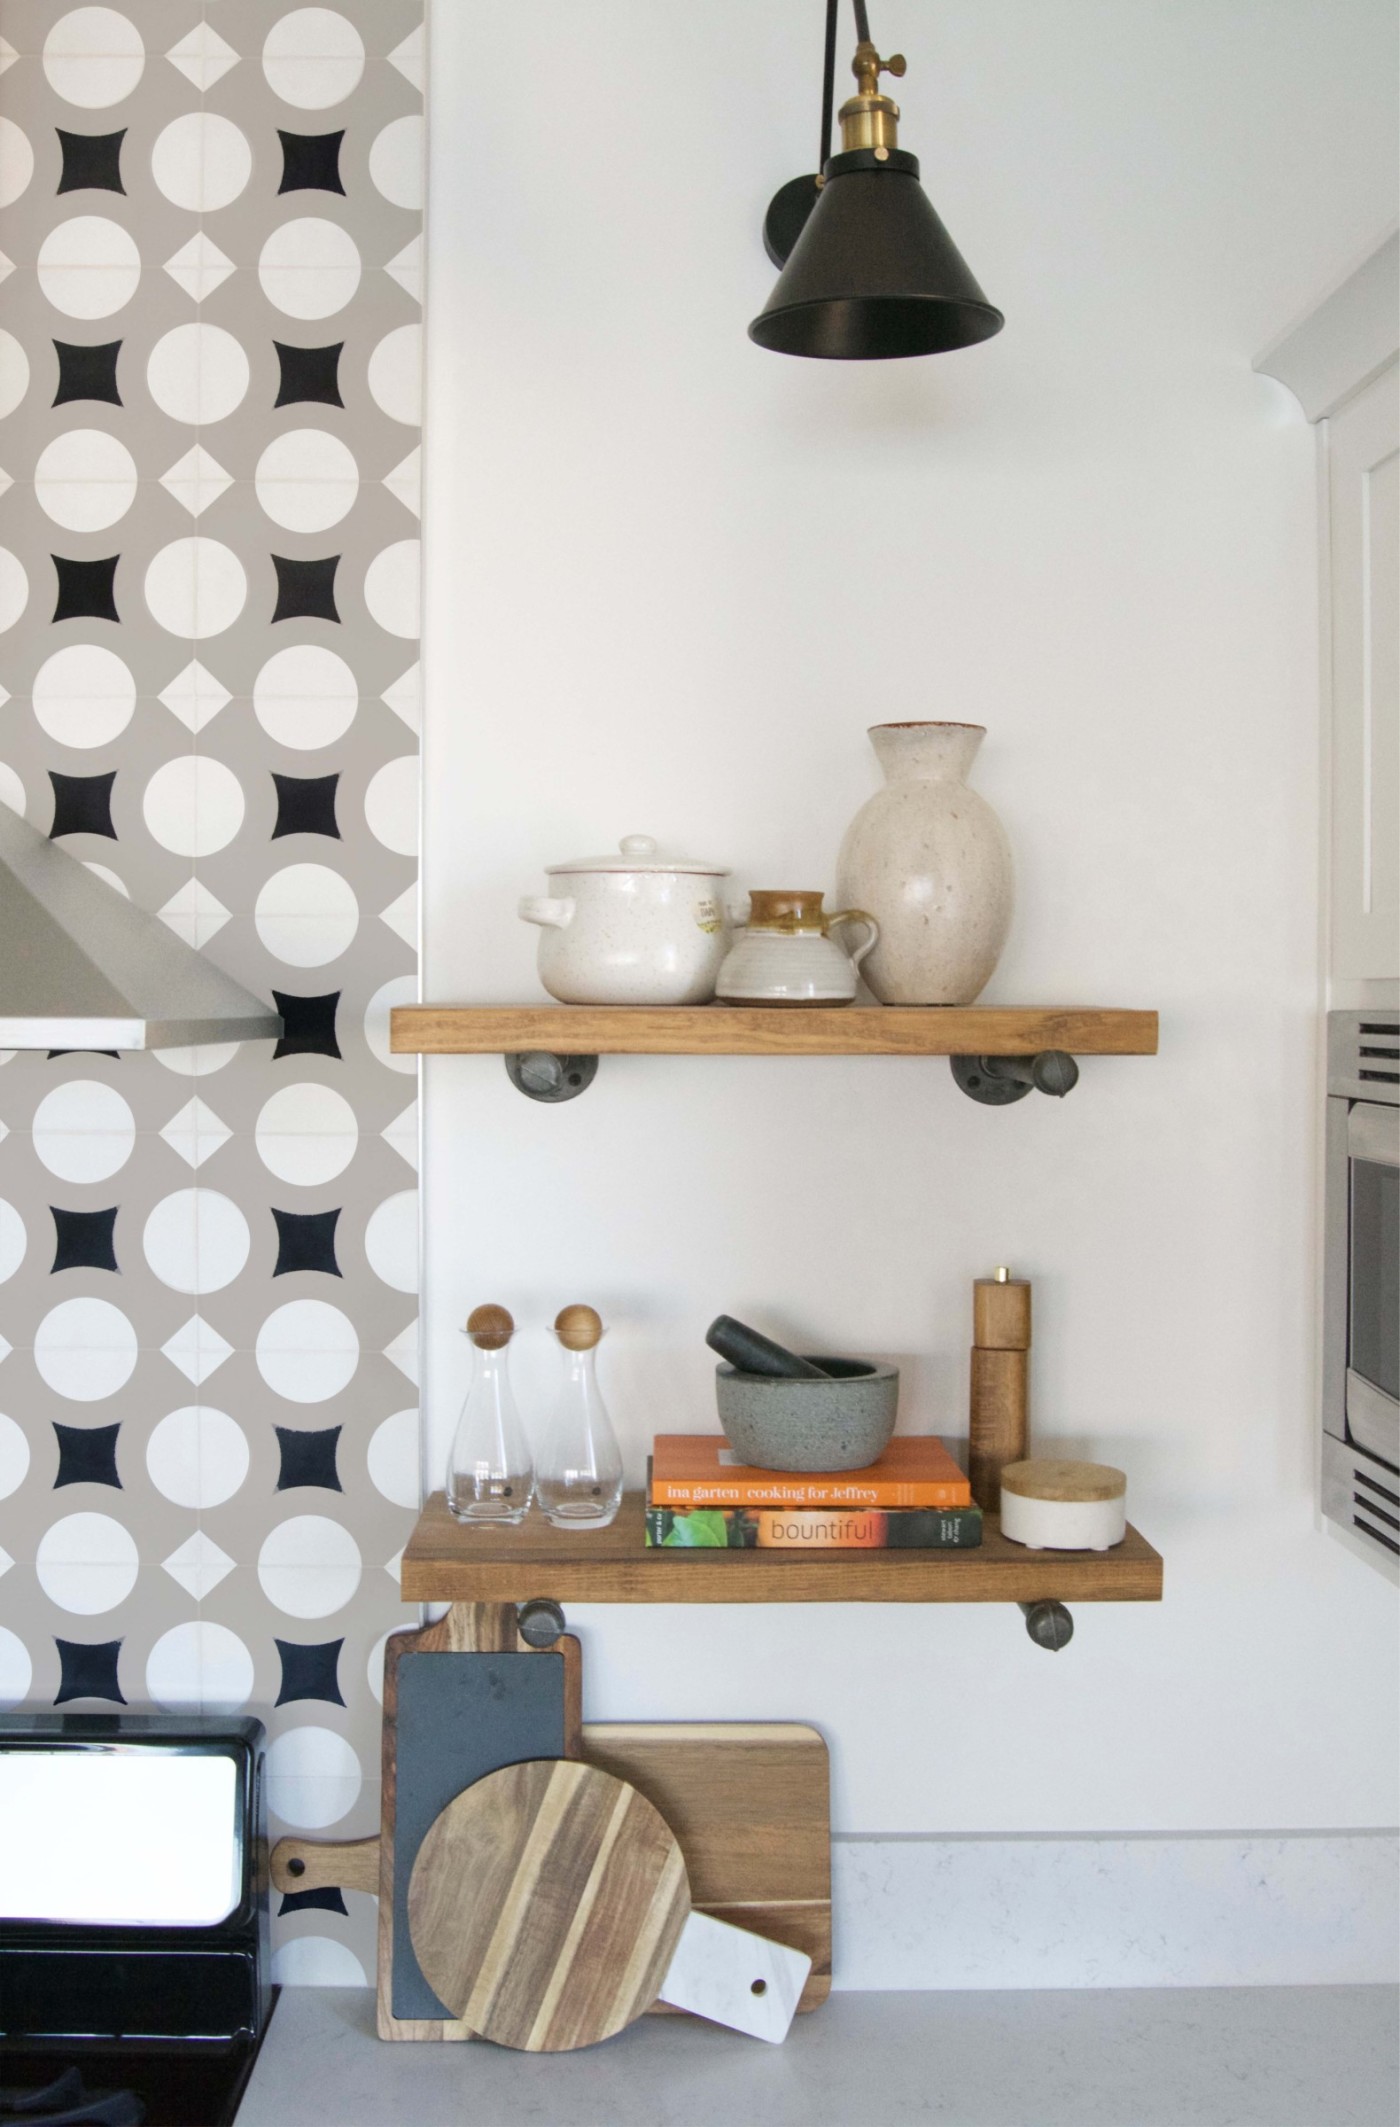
{"x":151,"y":2019}
{"x":122,"y":2084}
{"x":66,"y":2101}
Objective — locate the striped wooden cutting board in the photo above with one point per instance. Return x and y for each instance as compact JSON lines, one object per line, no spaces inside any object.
{"x":545,"y":1905}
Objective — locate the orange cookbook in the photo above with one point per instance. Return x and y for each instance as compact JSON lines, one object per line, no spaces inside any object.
{"x":702,"y":1470}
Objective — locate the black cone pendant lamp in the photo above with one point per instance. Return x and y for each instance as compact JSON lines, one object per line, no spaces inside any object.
{"x":869,"y":271}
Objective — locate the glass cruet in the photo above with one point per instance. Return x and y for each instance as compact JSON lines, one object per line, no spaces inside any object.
{"x":490,"y":1476}
{"x":580,"y":1475}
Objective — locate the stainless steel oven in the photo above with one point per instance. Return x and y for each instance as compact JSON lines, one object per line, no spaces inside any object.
{"x":1361,"y":1278}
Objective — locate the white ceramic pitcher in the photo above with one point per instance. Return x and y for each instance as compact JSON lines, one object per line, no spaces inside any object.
{"x":785,"y":953}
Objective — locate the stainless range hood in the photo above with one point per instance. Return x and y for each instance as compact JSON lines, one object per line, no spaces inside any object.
{"x":80,"y":968}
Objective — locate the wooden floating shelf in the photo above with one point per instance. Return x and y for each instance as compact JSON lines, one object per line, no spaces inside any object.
{"x":445,"y":1562}
{"x":743,"y":1030}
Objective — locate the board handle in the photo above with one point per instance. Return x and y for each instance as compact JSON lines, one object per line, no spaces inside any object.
{"x":308,"y":1865}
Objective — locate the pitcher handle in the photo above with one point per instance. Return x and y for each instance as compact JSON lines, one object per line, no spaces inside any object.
{"x":856,"y":915}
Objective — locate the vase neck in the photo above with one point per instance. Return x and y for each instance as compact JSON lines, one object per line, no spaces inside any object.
{"x":930,"y":753}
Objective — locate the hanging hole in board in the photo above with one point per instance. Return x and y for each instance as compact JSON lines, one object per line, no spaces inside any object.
{"x":296,"y":1867}
{"x":760,"y":1986}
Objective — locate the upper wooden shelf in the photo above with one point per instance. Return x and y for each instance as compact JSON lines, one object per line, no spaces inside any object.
{"x":445,"y":1562}
{"x":745,"y":1030}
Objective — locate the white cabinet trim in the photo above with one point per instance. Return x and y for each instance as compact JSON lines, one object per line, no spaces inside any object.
{"x":1345,"y":341}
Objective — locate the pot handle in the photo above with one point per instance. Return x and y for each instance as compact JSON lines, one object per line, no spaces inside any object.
{"x":539,"y":908}
{"x":856,"y":915}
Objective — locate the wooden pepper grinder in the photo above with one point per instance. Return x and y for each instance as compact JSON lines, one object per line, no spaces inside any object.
{"x":997,"y":1416}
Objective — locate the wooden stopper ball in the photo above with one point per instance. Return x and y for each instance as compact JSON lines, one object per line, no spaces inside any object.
{"x":578,"y":1328}
{"x":1001,"y":1314}
{"x":490,"y":1327}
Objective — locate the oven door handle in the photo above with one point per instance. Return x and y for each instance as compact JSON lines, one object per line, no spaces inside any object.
{"x":1373,"y":1419}
{"x":1373,"y":1133}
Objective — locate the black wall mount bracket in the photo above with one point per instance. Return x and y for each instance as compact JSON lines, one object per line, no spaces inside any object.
{"x":542,"y":1075}
{"x":1049,"y":1625}
{"x":540,"y":1621}
{"x":996,"y":1081}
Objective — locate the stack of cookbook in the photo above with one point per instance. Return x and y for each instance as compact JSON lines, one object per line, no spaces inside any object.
{"x":701,"y":1497}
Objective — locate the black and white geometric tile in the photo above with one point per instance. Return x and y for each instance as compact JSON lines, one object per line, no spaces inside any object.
{"x":210,"y":352}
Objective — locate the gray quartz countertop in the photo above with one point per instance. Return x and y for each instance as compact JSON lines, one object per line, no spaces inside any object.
{"x":1180,"y":2057}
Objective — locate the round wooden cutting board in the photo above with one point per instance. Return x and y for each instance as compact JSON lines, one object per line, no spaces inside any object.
{"x":546,"y":1903}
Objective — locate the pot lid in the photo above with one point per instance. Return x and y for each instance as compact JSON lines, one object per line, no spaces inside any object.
{"x":641,"y":853}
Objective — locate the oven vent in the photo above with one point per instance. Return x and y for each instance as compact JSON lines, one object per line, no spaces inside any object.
{"x":1372,"y":1486}
{"x":1378,"y":1044}
{"x":1374,"y":1512}
{"x":1377,"y":1536}
{"x":1362,"y":1496}
{"x":1364,"y":1053}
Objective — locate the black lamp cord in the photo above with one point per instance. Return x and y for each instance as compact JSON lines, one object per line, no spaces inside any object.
{"x":828,"y":82}
{"x":829,"y":67}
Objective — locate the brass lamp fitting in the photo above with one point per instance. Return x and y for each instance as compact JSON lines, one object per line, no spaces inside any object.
{"x":870,"y":120}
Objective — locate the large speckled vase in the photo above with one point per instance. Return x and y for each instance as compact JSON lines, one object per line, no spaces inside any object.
{"x":930,"y":860}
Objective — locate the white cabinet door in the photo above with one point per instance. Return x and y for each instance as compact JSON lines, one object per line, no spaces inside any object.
{"x":1364,"y":501}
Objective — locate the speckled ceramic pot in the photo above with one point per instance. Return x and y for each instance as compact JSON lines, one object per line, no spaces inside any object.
{"x":841,"y":1424}
{"x":634,"y":927}
{"x":930,"y":860}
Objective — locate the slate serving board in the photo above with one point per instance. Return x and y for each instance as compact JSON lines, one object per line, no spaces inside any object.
{"x":462,"y":1697}
{"x":461,"y":1716}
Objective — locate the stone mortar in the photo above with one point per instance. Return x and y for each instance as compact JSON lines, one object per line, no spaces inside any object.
{"x":841,"y":1424}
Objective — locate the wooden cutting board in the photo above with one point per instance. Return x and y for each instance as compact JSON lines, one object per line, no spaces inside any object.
{"x":545,"y":1906}
{"x":749,"y":1803}
{"x":462,"y":1697}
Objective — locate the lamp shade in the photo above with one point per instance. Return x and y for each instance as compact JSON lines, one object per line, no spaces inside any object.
{"x":874,"y":274}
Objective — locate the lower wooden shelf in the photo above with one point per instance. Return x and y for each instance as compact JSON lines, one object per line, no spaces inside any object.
{"x":445,"y":1562}
{"x":756,"y":1030}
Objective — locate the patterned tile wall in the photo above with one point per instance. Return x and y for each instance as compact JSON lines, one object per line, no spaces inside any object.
{"x":210,"y":278}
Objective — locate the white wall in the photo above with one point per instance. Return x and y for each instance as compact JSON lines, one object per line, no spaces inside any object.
{"x":673,"y":577}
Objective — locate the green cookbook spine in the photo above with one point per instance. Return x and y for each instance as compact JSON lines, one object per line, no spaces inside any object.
{"x":814,"y":1528}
